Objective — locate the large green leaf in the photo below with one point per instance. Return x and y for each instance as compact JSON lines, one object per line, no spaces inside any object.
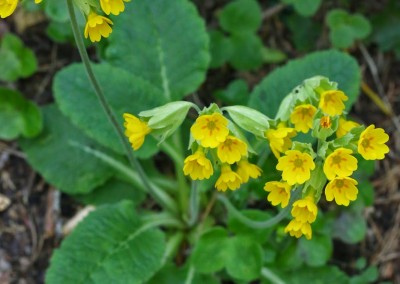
{"x":18,"y":116}
{"x":109,"y":246}
{"x":164,"y":42}
{"x":55,"y":157}
{"x":124,"y":93}
{"x":337,"y":66}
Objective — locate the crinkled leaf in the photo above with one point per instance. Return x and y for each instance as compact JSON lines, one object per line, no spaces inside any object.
{"x":220,"y":48}
{"x":65,"y":166}
{"x":109,"y":246}
{"x":317,"y":251}
{"x":305,"y":7}
{"x":337,"y":66}
{"x":247,"y":51}
{"x":164,"y":42}
{"x":124,"y":93}
{"x":350,"y":227}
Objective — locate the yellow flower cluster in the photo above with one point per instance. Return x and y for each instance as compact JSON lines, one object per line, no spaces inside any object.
{"x":7,"y":7}
{"x":214,"y":139}
{"x":324,"y":115}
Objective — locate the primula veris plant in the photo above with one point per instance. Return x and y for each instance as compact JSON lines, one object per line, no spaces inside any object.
{"x":219,"y":147}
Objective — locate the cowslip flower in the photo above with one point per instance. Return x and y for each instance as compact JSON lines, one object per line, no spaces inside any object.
{"x":97,"y":26}
{"x":340,"y":163}
{"x":371,"y":144}
{"x":228,"y":179}
{"x":197,"y":166}
{"x":296,"y":229}
{"x":295,"y":167}
{"x":113,"y":6}
{"x":247,"y":170}
{"x":38,"y":1}
{"x":136,"y":130}
{"x":210,"y":130}
{"x":345,"y":126}
{"x":305,"y":210}
{"x":302,"y":117}
{"x":280,"y":139}
{"x":331,"y":102}
{"x":7,"y":7}
{"x":325,"y":122}
{"x":231,"y":150}
{"x":342,"y":189}
{"x":279,"y":193}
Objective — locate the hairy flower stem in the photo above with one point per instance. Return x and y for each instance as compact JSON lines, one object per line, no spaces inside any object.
{"x":194,"y":204}
{"x":259,"y":224}
{"x":160,"y":196}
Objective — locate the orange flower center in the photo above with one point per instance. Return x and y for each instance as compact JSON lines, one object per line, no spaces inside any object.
{"x":298,"y":163}
{"x":326,"y":122}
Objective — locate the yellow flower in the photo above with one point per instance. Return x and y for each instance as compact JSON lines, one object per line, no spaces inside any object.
{"x":113,"y":6}
{"x":302,"y":117}
{"x":372,"y":145}
{"x":210,"y":130}
{"x":228,"y":179}
{"x":340,"y":163}
{"x":279,"y":139}
{"x":331,"y":102}
{"x":279,"y":193}
{"x":136,"y":130}
{"x":247,"y":170}
{"x":345,"y":126}
{"x":296,"y":229}
{"x":97,"y":26}
{"x":295,"y":167}
{"x":231,"y":150}
{"x":343,"y":190}
{"x":7,"y":7}
{"x":198,"y":166}
{"x":38,"y":1}
{"x":305,"y":210}
{"x":325,"y":122}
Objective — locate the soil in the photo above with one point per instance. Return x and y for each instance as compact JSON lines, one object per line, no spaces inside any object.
{"x":30,"y":227}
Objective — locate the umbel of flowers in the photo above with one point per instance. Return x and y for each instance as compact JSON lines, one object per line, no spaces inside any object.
{"x":324,"y":167}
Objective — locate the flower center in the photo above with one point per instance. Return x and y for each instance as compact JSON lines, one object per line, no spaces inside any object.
{"x":336,"y":159}
{"x":211,"y":125}
{"x":366,"y":143}
{"x":339,"y":183}
{"x":298,"y":163}
{"x":326,"y":122}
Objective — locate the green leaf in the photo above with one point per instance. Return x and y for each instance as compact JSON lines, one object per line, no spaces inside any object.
{"x":241,"y":16}
{"x":370,"y":275}
{"x":113,"y":191}
{"x":212,"y":243}
{"x":338,"y":67}
{"x":18,"y":116}
{"x":244,"y":259}
{"x":346,"y":28}
{"x":237,"y":93}
{"x":56,"y":10}
{"x":350,"y":227}
{"x":305,"y":8}
{"x":63,"y":165}
{"x":247,"y":51}
{"x":271,"y":55}
{"x":317,"y":251}
{"x":17,"y":61}
{"x":220,"y":48}
{"x":165,"y":43}
{"x":304,"y":32}
{"x":124,"y":93}
{"x":111,"y":245}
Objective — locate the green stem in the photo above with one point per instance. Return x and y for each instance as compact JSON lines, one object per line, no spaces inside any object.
{"x":190,"y":275}
{"x":271,"y":276}
{"x":259,"y":224}
{"x":107,"y":109}
{"x":194,"y":204}
{"x":172,"y":246}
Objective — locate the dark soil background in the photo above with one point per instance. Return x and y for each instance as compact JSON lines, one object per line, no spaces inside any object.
{"x":31,"y":225}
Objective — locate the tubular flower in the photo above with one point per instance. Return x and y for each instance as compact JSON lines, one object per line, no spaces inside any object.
{"x":210,"y":130}
{"x":198,"y":166}
{"x":326,"y":122}
{"x":305,"y":210}
{"x":228,"y":179}
{"x":343,"y":190}
{"x":97,"y":26}
{"x":279,"y":193}
{"x":231,"y":150}
{"x":247,"y":170}
{"x":345,"y":126}
{"x":340,"y":163}
{"x":302,"y":117}
{"x":295,"y":167}
{"x":7,"y":7}
{"x":372,"y":143}
{"x":296,"y":229}
{"x":113,"y":6}
{"x":279,"y":139}
{"x":331,"y":102}
{"x":136,"y":130}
